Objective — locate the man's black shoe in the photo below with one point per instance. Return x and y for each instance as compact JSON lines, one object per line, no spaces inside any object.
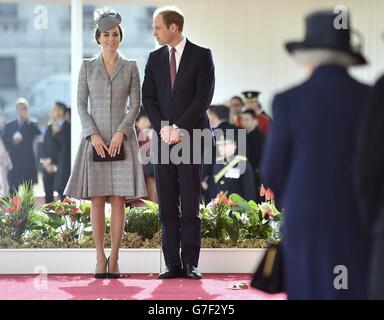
{"x":191,"y":272}
{"x":170,"y":273}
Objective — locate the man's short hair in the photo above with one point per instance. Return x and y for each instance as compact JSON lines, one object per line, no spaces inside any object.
{"x":62,"y":106}
{"x":238,"y":98}
{"x":221,"y":111}
{"x":171,"y":14}
{"x":251,"y":112}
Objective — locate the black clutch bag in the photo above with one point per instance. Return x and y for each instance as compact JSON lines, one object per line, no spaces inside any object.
{"x":118,"y":157}
{"x":269,"y":275}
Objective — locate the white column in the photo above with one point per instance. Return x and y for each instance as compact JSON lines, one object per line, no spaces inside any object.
{"x":76,"y":59}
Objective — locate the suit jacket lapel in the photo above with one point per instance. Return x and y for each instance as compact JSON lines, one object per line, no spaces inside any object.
{"x":165,"y":65}
{"x":101,"y":67}
{"x":116,"y":69}
{"x":118,"y":65}
{"x":183,"y":65}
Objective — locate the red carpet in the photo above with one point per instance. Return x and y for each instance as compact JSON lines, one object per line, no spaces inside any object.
{"x":133,"y":287}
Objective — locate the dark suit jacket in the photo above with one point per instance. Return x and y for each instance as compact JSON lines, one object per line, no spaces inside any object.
{"x":370,"y":157}
{"x":22,"y":155}
{"x":187,"y":103}
{"x":63,"y":142}
{"x":255,"y":140}
{"x":50,"y":147}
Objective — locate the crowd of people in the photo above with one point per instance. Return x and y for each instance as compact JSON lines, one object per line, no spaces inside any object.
{"x":26,"y":148}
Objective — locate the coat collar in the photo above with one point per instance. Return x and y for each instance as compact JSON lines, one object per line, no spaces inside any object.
{"x":116,"y":69}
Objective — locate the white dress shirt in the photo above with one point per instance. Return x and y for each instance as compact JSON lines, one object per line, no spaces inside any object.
{"x":179,"y":52}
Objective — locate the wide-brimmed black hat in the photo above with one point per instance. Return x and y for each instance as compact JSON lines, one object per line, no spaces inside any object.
{"x":322,"y":33}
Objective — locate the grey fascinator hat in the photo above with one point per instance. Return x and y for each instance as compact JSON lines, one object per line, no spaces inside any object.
{"x":106,"y":18}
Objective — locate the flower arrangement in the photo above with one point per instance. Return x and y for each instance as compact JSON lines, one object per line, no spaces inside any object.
{"x":217,"y":220}
{"x":67,"y":219}
{"x":226,"y":220}
{"x":233,"y":217}
{"x":259,"y":220}
{"x":20,"y":215}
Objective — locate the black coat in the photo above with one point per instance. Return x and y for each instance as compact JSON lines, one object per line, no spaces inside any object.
{"x":22,"y":155}
{"x":370,"y":185}
{"x":308,"y":162}
{"x":370,"y":157}
{"x":255,"y":140}
{"x":57,"y":147}
{"x":49,"y":148}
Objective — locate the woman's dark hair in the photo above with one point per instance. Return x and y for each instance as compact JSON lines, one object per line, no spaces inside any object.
{"x":98,"y":34}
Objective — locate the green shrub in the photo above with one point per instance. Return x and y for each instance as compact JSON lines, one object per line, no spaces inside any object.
{"x":142,"y":220}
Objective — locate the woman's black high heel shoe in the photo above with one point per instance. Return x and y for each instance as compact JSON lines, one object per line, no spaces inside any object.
{"x":103,"y":275}
{"x":112,"y":275}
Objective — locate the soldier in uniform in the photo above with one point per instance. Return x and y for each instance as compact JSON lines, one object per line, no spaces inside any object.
{"x":219,"y":119}
{"x":252,"y":102}
{"x":232,"y":173}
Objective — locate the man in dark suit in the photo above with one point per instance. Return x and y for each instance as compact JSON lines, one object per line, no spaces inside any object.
{"x":56,"y":153}
{"x":255,"y":140}
{"x":19,"y":136}
{"x":177,"y":91}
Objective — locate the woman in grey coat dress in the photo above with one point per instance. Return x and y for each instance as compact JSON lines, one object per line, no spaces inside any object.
{"x":107,"y":81}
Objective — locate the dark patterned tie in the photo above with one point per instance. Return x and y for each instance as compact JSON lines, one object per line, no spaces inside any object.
{"x":172,"y":67}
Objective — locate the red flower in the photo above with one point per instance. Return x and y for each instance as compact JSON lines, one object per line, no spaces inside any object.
{"x":11,"y":210}
{"x":269,"y":195}
{"x":231,"y":203}
{"x":220,"y":196}
{"x":67,"y":200}
{"x":75,"y":210}
{"x":16,"y":202}
{"x":262,"y":191}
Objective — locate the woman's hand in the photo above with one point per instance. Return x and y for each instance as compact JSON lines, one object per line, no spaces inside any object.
{"x":99,"y":144}
{"x":115,"y":145}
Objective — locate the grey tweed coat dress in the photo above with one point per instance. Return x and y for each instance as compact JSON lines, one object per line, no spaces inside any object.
{"x":107,"y":114}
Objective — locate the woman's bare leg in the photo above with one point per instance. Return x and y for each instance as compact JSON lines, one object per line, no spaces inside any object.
{"x":98,"y":231}
{"x":117,"y":229}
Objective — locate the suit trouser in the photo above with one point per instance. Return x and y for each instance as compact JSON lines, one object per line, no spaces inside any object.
{"x":48,"y":186}
{"x":48,"y":181}
{"x":178,"y":188}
